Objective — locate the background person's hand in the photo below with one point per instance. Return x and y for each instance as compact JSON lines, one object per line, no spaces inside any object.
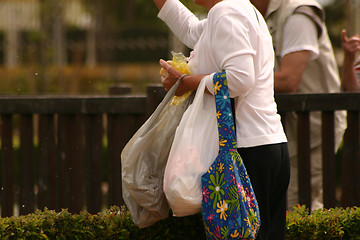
{"x":350,"y":45}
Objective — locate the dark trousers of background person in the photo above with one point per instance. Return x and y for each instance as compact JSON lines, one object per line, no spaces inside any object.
{"x":268,"y":167}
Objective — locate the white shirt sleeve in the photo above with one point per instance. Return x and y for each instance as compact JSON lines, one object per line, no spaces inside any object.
{"x":233,"y":51}
{"x":300,"y":34}
{"x":182,"y":22}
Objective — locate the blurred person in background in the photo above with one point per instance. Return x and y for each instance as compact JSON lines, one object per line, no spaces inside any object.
{"x":305,"y":63}
{"x":351,"y":64}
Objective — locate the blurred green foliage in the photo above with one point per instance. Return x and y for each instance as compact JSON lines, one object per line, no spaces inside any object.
{"x":142,"y":13}
{"x":133,"y":13}
{"x":335,"y":20}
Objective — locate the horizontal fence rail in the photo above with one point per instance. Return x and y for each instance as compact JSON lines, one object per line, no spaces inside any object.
{"x":64,"y":151}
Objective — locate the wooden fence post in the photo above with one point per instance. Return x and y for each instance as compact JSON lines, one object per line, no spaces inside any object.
{"x":94,"y":161}
{"x":304,"y":159}
{"x":27,"y":165}
{"x":328,"y":159}
{"x":7,"y":166}
{"x":350,"y":162}
{"x":47,"y":163}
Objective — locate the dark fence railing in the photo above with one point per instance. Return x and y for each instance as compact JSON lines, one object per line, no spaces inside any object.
{"x":64,"y":152}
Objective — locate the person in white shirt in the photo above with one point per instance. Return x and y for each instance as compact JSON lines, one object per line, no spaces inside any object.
{"x":235,"y":38}
{"x":350,"y":78}
{"x":304,"y":63}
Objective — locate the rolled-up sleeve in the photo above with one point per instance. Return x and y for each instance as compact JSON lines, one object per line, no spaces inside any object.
{"x":300,"y":34}
{"x":183,"y":23}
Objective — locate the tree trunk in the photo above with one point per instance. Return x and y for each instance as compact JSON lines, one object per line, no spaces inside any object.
{"x":353,"y":17}
{"x":12,"y":41}
{"x":46,"y":50}
{"x":130,"y":12}
{"x":92,"y":33}
{"x":59,"y":47}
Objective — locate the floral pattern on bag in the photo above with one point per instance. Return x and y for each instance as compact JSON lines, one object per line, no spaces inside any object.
{"x":229,"y":206}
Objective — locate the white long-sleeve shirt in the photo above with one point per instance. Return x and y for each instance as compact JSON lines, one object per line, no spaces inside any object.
{"x":235,"y":38}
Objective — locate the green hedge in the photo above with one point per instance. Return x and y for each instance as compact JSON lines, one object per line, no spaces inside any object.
{"x":116,"y":223}
{"x":335,"y":223}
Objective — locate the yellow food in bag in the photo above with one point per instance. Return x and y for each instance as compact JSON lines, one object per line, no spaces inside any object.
{"x":178,"y":62}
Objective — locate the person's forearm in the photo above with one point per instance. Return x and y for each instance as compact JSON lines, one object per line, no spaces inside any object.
{"x":284,"y":83}
{"x":349,"y":80}
{"x":292,"y":67}
{"x":190,"y":82}
{"x":159,"y":3}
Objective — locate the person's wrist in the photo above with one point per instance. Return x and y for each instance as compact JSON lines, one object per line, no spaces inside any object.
{"x":182,"y":77}
{"x":183,"y":86}
{"x":349,"y":58}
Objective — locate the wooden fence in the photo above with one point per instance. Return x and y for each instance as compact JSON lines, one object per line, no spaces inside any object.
{"x":64,"y":152}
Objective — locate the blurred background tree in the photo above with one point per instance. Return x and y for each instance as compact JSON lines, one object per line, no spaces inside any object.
{"x":86,"y":44}
{"x":336,"y":20}
{"x":129,"y":19}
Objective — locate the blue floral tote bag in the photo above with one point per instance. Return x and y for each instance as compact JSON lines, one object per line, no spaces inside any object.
{"x":229,"y":206}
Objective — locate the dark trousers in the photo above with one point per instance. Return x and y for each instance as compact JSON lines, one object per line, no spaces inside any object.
{"x":268,"y":167}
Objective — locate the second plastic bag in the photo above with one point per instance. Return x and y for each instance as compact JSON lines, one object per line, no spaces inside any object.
{"x":144,"y":159}
{"x":193,"y":150}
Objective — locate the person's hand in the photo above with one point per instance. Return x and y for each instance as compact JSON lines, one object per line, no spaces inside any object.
{"x":168,"y":80}
{"x":350,"y":45}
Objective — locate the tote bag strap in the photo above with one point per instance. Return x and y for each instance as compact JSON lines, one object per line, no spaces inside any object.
{"x":224,"y":113}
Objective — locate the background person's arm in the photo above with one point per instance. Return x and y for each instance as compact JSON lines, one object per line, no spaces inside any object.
{"x":351,"y":46}
{"x":159,"y":3}
{"x":300,"y":46}
{"x":292,"y":67}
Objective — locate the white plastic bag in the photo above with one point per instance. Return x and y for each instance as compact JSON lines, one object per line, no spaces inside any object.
{"x":143,"y":162}
{"x":195,"y":146}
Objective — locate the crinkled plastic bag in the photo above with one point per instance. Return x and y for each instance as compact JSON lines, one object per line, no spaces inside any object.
{"x":180,"y":63}
{"x":144,"y":159}
{"x":195,"y":146}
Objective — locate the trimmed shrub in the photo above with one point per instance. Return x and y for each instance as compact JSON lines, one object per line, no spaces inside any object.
{"x":322,"y":224}
{"x":116,"y":223}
